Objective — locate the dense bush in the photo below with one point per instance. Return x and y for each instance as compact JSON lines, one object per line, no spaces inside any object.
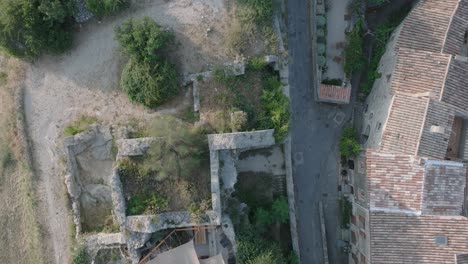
{"x":148,"y":78}
{"x":149,"y":84}
{"x":348,"y":143}
{"x":276,"y":107}
{"x":253,"y":249}
{"x":354,"y":50}
{"x":280,"y":209}
{"x":105,"y":7}
{"x":29,"y":28}
{"x":143,"y":40}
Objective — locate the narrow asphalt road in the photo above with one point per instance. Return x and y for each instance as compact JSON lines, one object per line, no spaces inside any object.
{"x":315,"y":132}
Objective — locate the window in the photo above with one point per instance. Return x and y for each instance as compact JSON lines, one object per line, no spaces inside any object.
{"x":362,"y":222}
{"x":378,"y":126}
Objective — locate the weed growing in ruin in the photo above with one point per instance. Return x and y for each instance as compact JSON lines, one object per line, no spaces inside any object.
{"x":79,"y":125}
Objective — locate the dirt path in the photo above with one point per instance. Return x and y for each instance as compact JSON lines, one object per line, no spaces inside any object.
{"x":85,"y":81}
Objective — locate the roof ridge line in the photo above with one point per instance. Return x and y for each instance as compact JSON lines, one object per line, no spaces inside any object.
{"x":421,"y":130}
{"x":449,"y":26}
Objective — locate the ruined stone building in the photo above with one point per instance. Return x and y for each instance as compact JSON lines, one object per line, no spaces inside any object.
{"x":409,"y":185}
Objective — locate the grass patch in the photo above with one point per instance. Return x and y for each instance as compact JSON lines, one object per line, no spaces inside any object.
{"x":172,"y":175}
{"x":252,"y":26}
{"x":383,"y":33}
{"x":18,"y":202}
{"x":80,"y":125}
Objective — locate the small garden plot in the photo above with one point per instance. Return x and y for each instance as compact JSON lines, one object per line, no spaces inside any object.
{"x":174,"y":175}
{"x":252,"y":101}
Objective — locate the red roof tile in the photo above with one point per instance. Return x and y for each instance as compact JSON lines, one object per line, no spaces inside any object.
{"x":403,"y":129}
{"x":404,"y":238}
{"x":334,"y":94}
{"x":394,"y":181}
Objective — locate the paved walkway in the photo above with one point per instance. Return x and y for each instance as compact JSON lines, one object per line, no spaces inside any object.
{"x":315,"y":131}
{"x":336,"y":26}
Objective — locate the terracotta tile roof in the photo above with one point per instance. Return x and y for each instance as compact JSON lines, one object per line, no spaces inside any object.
{"x":410,"y":239}
{"x":456,"y":32}
{"x":427,"y":25}
{"x":418,"y":72}
{"x":394,"y":181}
{"x":436,"y":131}
{"x":444,"y":188}
{"x":456,"y":84}
{"x":334,"y":94}
{"x":403,"y":129}
{"x":462,"y":259}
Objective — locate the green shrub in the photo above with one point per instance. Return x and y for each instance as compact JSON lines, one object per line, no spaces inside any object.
{"x":383,"y":33}
{"x":150,"y":85}
{"x":263,"y":218}
{"x":262,"y":9}
{"x":79,"y":125}
{"x":293,"y":258}
{"x":148,"y":78}
{"x":257,"y":63}
{"x":29,"y":28}
{"x":143,"y":40}
{"x":348,"y":143}
{"x":102,"y":8}
{"x":280,"y":209}
{"x":346,"y":210}
{"x":354,"y":50}
{"x":81,"y":256}
{"x":253,"y":249}
{"x":147,"y":203}
{"x":276,"y":106}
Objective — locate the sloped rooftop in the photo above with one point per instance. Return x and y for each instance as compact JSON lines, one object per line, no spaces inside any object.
{"x":403,"y":128}
{"x":395,"y":181}
{"x":444,"y":188}
{"x":405,"y":238}
{"x":425,"y":29}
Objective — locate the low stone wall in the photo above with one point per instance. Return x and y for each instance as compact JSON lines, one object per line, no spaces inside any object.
{"x":242,"y":140}
{"x":154,"y":223}
{"x":118,"y":199}
{"x":73,"y":146}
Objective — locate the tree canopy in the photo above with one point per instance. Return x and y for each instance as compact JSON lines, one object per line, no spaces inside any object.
{"x":29,"y":28}
{"x":148,"y":78}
